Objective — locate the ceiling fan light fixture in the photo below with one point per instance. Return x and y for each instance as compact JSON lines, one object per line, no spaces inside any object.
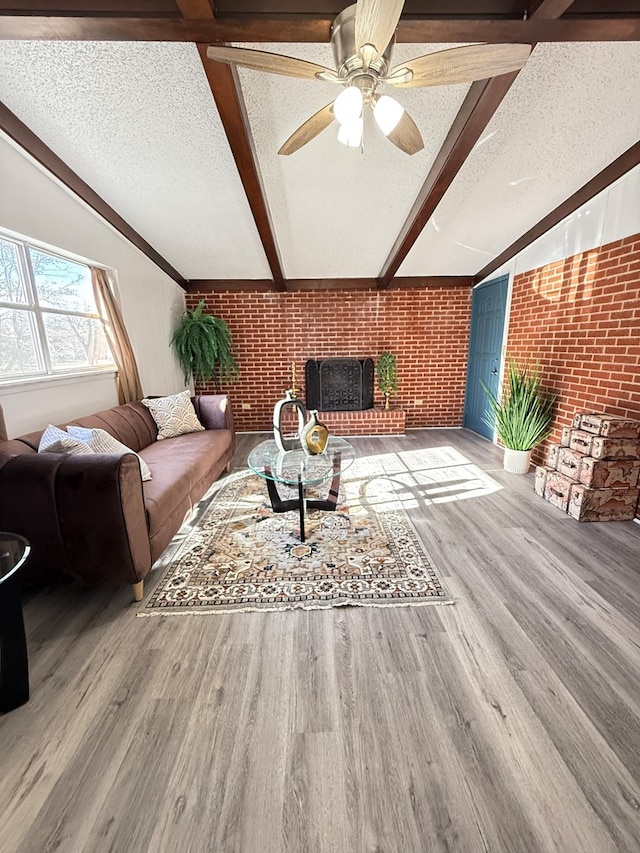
{"x":348,"y":105}
{"x":350,"y":132}
{"x":362,"y":41}
{"x":387,"y":113}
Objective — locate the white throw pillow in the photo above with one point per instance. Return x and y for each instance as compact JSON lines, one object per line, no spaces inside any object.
{"x":174,"y":415}
{"x":55,"y":440}
{"x":100,"y":441}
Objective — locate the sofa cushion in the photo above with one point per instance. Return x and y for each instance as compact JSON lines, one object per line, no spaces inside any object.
{"x":55,"y":440}
{"x":174,"y":415}
{"x":180,"y":468}
{"x":100,"y":441}
{"x":130,"y":423}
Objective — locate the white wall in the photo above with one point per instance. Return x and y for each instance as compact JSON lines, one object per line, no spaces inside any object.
{"x":35,"y":205}
{"x":611,"y":215}
{"x":27,"y":409}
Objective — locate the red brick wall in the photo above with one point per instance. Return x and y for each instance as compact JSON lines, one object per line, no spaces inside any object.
{"x":581,"y":318}
{"x":426,"y":329}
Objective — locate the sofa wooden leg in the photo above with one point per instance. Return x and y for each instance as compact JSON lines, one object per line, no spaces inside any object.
{"x":228,"y":468}
{"x":138,"y":590}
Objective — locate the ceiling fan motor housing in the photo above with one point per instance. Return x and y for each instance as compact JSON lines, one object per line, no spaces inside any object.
{"x":348,"y":60}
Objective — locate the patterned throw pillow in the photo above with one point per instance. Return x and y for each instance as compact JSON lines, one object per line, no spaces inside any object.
{"x":100,"y":441}
{"x":174,"y":415}
{"x":56,"y":440}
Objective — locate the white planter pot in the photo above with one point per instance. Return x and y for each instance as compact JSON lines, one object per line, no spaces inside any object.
{"x":517,"y":461}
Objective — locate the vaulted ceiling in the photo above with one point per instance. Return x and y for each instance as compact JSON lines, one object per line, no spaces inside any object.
{"x":119,"y":100}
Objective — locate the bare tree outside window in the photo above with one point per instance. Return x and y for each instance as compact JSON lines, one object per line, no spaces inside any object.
{"x":48,"y":318}
{"x":19,"y":352}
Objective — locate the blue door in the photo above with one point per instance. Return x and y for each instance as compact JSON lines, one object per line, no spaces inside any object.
{"x":488,"y":309}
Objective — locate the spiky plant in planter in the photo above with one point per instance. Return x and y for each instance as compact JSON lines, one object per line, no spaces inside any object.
{"x":522,"y":415}
{"x":387,"y":369}
{"x":204,"y":347}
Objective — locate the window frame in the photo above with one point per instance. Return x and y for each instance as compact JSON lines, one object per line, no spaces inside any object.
{"x":46,"y":370}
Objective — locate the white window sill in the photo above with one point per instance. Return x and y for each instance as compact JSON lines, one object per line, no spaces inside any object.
{"x":22,"y":385}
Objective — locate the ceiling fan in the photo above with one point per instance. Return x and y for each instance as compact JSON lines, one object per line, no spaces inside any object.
{"x":362,"y":39}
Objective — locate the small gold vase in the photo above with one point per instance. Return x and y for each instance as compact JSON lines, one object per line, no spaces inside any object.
{"x":315,"y":435}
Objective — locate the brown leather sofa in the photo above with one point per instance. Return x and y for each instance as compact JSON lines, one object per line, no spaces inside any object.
{"x":90,"y":519}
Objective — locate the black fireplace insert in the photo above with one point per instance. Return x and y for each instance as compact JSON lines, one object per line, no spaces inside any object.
{"x":339,"y":384}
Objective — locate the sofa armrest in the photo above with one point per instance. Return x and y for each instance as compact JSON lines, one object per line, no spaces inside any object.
{"x":214,"y":411}
{"x":83,"y":515}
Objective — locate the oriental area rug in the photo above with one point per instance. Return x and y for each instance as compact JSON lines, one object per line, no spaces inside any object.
{"x":241,"y":556}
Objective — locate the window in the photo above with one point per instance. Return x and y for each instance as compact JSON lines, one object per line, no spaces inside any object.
{"x":49,"y":324}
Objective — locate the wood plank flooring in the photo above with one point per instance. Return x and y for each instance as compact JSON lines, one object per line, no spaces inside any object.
{"x":509,"y":722}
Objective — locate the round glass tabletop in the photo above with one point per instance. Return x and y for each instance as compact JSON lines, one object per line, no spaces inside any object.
{"x":14,"y":550}
{"x":294,"y":466}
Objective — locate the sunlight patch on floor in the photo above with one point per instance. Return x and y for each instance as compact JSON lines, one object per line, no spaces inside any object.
{"x":415,"y":478}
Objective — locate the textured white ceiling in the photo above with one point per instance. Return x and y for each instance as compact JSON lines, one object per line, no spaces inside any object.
{"x":137,"y":122}
{"x":336,"y":210}
{"x":573,"y":109}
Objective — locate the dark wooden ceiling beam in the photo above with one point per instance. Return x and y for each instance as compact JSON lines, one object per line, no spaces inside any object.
{"x":153,"y":8}
{"x":548,"y":9}
{"x":92,"y":8}
{"x":302,"y":284}
{"x":35,"y":147}
{"x":294,"y":29}
{"x":482,"y":100}
{"x":225,"y":87}
{"x":194,"y":9}
{"x":623,"y":164}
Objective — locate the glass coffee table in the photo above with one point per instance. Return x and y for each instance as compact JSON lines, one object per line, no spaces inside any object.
{"x":295,"y":468}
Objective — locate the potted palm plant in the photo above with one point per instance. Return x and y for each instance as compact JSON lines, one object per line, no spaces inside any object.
{"x":387,"y":369}
{"x":522,"y":415}
{"x":204,"y":347}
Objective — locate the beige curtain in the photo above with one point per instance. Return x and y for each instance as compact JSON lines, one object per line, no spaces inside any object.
{"x":3,"y":426}
{"x":128,"y":378}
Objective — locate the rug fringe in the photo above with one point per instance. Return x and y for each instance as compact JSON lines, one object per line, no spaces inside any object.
{"x":204,"y":611}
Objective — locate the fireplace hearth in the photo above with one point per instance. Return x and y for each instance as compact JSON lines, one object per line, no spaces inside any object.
{"x":339,"y":384}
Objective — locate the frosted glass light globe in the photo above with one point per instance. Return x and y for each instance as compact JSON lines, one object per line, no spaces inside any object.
{"x":350,"y":133}
{"x":348,"y":105}
{"x":387,"y":113}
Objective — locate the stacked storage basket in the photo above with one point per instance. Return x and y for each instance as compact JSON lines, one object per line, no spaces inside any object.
{"x":593,"y":473}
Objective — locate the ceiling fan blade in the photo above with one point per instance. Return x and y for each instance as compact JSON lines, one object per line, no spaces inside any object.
{"x":309,"y":130}
{"x":376,"y":23}
{"x":460,"y":65}
{"x":273,"y":63}
{"x":406,"y":135}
